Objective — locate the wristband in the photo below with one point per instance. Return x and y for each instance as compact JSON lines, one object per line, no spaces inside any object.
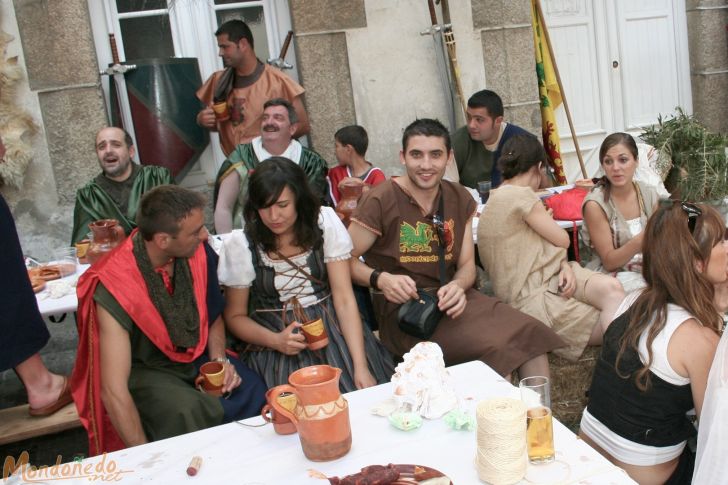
{"x":373,"y":279}
{"x":223,"y":360}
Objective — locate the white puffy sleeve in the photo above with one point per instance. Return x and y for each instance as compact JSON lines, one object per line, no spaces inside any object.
{"x":337,"y":243}
{"x":235,"y":268}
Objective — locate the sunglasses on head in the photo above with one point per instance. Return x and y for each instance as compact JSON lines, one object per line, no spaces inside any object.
{"x":693,"y":212}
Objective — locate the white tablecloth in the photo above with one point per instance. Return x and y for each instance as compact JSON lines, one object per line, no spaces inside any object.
{"x":57,"y":306}
{"x":233,"y":453}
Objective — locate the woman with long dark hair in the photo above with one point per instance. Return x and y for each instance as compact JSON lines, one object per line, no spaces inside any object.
{"x":616,"y":212}
{"x":291,"y":248}
{"x":656,"y":356}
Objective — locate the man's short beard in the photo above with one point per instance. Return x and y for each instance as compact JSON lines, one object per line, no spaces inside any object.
{"x":118,"y":171}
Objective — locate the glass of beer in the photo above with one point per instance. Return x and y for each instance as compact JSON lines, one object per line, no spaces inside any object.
{"x":536,"y":395}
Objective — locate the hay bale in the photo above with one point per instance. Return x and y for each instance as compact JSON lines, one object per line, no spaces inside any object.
{"x":569,"y":383}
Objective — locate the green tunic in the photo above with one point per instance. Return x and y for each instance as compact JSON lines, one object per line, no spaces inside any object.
{"x":163,"y":390}
{"x":474,"y":162}
{"x":94,"y":202}
{"x":243,"y":159}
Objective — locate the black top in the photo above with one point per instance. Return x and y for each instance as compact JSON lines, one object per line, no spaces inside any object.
{"x":655,"y":417}
{"x":22,"y":328}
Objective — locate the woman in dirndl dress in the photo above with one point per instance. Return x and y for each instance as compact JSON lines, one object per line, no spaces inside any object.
{"x":290,"y":263}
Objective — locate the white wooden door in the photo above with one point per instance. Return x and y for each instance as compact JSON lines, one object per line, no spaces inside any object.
{"x":622,"y":63}
{"x":652,"y":77}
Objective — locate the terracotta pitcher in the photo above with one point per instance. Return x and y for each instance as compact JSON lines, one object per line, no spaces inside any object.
{"x":106,"y":235}
{"x":350,"y":194}
{"x":321,"y":414}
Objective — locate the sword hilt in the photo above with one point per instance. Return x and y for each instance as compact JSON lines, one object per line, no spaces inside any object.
{"x":434,"y":29}
{"x":114,"y":49}
{"x":286,"y":43}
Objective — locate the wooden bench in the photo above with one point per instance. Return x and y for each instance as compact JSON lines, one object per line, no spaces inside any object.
{"x":17,"y":425}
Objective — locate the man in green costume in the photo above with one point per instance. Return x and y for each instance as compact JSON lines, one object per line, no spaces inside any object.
{"x":278,"y":124}
{"x":116,"y":191}
{"x":477,"y":145}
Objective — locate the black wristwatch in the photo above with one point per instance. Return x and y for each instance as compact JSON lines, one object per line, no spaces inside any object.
{"x":373,"y":279}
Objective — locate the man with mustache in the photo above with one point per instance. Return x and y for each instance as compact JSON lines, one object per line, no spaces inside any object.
{"x":242,"y":88}
{"x":116,"y":191}
{"x":278,"y":124}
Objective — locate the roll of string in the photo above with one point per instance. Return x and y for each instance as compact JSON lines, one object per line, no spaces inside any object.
{"x":501,"y":456}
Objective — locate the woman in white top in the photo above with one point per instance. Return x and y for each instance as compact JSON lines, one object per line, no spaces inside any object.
{"x":616,"y":211}
{"x":654,"y":363}
{"x":293,"y":248}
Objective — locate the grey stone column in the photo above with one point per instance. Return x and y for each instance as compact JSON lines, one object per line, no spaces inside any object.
{"x":508,"y":55}
{"x":323,"y":64}
{"x":63,"y":71}
{"x":708,"y":45}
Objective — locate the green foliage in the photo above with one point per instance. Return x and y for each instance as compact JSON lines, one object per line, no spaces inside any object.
{"x":699,"y":168}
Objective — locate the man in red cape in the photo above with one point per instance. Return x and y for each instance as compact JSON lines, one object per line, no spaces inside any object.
{"x":149,"y":315}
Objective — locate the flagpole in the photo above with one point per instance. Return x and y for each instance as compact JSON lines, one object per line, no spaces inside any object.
{"x":561,"y":87}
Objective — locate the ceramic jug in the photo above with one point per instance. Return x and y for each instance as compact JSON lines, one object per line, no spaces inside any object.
{"x":350,"y":194}
{"x":106,"y":235}
{"x":321,"y":415}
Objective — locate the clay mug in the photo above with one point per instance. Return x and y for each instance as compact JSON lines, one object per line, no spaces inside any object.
{"x":281,"y":424}
{"x":107,"y":234}
{"x":221,"y":111}
{"x":81,"y":249}
{"x":315,"y":333}
{"x":211,"y":378}
{"x":350,"y":194}
{"x":321,"y":415}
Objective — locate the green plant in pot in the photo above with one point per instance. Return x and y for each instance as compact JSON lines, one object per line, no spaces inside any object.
{"x":699,"y":170}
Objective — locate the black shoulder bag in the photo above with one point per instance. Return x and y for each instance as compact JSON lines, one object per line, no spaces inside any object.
{"x":420,"y":317}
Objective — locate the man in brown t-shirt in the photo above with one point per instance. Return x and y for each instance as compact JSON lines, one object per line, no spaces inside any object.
{"x":393,"y":229}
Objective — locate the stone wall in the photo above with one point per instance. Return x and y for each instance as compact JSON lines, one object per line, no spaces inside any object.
{"x":323,"y":61}
{"x":708,"y":45}
{"x":507,"y":39}
{"x":54,"y":42}
{"x":365,"y":62}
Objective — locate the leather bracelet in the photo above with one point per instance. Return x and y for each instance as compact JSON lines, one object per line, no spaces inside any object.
{"x":373,"y":279}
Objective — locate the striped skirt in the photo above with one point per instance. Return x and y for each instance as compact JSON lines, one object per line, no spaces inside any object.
{"x":275,"y":367}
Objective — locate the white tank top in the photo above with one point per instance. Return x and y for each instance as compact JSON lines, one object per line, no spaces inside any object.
{"x":621,"y":448}
{"x":660,"y":366}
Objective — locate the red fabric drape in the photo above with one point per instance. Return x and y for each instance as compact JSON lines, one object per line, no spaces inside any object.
{"x":120,"y":275}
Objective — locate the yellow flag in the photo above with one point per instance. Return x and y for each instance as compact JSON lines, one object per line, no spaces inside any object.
{"x":549,"y":95}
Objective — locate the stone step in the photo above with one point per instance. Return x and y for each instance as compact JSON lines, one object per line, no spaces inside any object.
{"x":16,"y":424}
